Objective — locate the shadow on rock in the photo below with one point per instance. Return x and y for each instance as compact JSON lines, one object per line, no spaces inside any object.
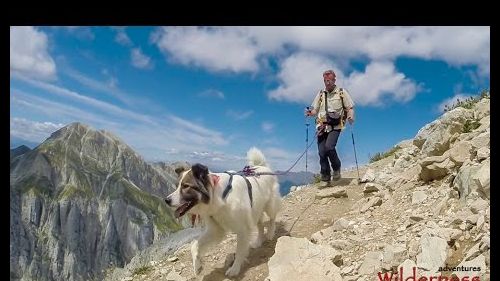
{"x":255,"y":258}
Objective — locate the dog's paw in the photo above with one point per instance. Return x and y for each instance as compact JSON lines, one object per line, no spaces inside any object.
{"x":197,"y":266}
{"x":233,"y":270}
{"x":271,"y":231}
{"x":270,"y":236}
{"x":229,"y":260}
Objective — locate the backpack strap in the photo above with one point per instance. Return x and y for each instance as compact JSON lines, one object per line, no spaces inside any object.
{"x":341,"y":93}
{"x":344,"y":115}
{"x":326,"y":102}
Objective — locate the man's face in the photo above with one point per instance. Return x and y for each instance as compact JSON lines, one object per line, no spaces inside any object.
{"x":329,"y":80}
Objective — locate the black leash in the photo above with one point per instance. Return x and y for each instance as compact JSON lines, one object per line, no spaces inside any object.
{"x":250,"y":172}
{"x":303,"y":211}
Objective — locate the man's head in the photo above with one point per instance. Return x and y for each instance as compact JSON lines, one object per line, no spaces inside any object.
{"x":329,"y":78}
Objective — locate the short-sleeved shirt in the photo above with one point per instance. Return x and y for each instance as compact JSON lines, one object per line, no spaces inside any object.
{"x":334,"y":104}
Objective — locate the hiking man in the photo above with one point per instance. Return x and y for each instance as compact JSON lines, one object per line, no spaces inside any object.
{"x":332,"y":106}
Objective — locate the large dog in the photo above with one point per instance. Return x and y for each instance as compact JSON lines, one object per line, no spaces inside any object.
{"x":228,"y":203}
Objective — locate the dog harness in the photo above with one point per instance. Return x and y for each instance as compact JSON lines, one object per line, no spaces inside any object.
{"x":230,"y":186}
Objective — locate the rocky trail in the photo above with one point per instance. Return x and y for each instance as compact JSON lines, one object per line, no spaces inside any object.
{"x":423,"y":209}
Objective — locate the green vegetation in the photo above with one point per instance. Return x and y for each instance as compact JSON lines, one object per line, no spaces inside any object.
{"x":152,"y":206}
{"x":469,"y":102}
{"x":142,"y":270}
{"x":79,"y":186}
{"x":71,"y":191}
{"x":470,"y":125}
{"x":316,"y":178}
{"x":379,"y":155}
{"x":85,"y":172}
{"x":137,"y":220}
{"x":55,"y":152}
{"x":59,"y":154}
{"x":39,"y":186}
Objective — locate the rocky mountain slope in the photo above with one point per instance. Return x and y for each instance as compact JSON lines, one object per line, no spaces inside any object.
{"x":427,"y":206}
{"x":80,"y":202}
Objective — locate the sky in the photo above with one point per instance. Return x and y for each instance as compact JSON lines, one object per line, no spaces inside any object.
{"x":208,"y":94}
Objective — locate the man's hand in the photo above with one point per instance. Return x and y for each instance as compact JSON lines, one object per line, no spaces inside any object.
{"x":350,"y":116}
{"x":320,"y":130}
{"x":311,"y":112}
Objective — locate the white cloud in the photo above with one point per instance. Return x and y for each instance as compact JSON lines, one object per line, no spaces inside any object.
{"x":109,"y":87}
{"x":176,"y":133}
{"x":175,"y":138}
{"x":267,"y":127}
{"x":122,"y":37}
{"x":453,"y":100}
{"x":174,"y":141}
{"x":215,"y":49}
{"x":379,"y":79}
{"x":456,"y":45}
{"x":192,"y":133}
{"x":211,"y":157}
{"x":140,"y":60}
{"x":211,"y":93}
{"x":238,"y":48}
{"x":32,"y":130}
{"x":238,"y":115}
{"x":29,"y":54}
{"x":305,"y":51}
{"x":281,"y":159}
{"x":301,"y":78}
{"x":274,"y":152}
{"x":95,"y":103}
{"x":82,"y":33}
{"x":60,"y":111}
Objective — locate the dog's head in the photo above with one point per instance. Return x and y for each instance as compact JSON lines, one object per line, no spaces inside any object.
{"x":192,"y":189}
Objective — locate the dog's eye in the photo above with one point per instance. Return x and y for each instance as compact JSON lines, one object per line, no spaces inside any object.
{"x":185,"y":185}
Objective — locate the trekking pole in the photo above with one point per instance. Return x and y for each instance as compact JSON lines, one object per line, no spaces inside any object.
{"x":355,"y":156}
{"x":307,"y":136}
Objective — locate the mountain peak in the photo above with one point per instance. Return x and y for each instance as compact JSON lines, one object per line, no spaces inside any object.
{"x":77,"y":131}
{"x":63,"y":132}
{"x":19,"y":151}
{"x":77,"y":126}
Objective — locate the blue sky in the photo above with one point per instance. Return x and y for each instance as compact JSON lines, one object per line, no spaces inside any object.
{"x":208,"y":94}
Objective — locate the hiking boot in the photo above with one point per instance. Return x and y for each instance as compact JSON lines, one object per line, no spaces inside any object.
{"x":323,"y":184}
{"x":325,"y":177}
{"x":336,"y":175}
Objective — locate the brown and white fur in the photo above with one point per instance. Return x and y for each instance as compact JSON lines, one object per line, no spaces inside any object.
{"x":200,"y":192}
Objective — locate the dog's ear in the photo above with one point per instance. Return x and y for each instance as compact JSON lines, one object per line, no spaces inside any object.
{"x":200,"y":171}
{"x":179,"y":170}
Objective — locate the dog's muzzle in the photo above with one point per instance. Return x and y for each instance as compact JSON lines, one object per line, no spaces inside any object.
{"x":182,"y":209}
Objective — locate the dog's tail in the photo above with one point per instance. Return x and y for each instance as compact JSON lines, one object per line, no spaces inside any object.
{"x":256,"y":157}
